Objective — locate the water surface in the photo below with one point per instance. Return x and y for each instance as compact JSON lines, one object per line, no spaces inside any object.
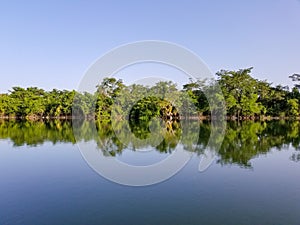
{"x":254,"y":179}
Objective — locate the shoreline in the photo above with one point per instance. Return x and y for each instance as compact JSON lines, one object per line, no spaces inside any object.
{"x":201,"y":118}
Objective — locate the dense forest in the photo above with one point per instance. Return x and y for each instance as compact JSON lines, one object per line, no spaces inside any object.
{"x":244,"y":97}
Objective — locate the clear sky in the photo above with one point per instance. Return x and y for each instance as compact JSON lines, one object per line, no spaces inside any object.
{"x":50,"y":44}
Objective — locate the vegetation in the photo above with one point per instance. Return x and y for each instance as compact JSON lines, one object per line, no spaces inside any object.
{"x":245,"y":97}
{"x":138,"y":110}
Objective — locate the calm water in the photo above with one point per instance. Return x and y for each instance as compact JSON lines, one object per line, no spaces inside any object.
{"x":255,"y":178}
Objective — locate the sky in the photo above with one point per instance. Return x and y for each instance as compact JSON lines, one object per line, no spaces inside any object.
{"x":51,"y":44}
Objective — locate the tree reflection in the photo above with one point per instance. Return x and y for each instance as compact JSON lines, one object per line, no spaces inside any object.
{"x":35,"y":133}
{"x":242,"y":142}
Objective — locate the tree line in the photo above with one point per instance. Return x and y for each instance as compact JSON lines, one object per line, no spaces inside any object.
{"x":244,"y":97}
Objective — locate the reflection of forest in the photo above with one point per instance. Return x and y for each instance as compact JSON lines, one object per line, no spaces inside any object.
{"x":242,"y":142}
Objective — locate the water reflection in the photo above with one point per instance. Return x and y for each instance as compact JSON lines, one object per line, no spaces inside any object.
{"x":168,"y":131}
{"x":242,"y":141}
{"x":35,"y":133}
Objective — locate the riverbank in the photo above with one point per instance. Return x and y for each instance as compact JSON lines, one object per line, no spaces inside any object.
{"x":228,"y":118}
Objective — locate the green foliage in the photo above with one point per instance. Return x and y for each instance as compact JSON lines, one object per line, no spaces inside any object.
{"x":244,"y":97}
{"x":293,"y":107}
{"x":241,"y":92}
{"x":37,"y":103}
{"x":107,"y":92}
{"x":195,"y":91}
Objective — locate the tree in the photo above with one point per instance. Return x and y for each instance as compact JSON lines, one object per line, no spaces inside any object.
{"x":295,"y":77}
{"x":241,"y":92}
{"x":293,"y":107}
{"x":195,"y":91}
{"x":107,"y":92}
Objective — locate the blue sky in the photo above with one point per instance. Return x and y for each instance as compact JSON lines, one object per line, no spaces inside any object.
{"x":50,"y":44}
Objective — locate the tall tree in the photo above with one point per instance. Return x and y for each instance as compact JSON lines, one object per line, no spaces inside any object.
{"x":241,"y":92}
